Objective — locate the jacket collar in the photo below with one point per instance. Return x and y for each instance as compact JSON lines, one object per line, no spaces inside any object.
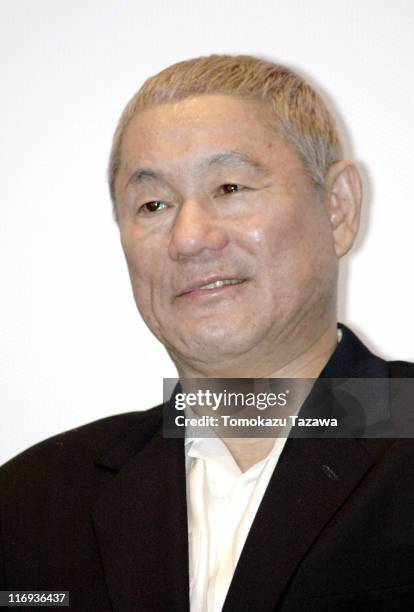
{"x":352,"y":359}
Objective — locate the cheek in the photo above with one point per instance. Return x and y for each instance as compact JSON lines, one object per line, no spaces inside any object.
{"x":136,"y":263}
{"x":292,"y":247}
{"x":144,"y":268}
{"x":269,"y":236}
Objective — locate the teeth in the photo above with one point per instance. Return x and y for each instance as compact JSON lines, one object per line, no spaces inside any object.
{"x":220,"y":283}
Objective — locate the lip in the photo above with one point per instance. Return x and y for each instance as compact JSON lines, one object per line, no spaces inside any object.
{"x":196,"y":286}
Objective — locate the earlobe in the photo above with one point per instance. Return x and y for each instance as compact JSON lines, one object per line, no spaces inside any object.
{"x":344,"y":197}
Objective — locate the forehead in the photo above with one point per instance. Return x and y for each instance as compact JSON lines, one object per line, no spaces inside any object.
{"x":180,"y":138}
{"x":197,"y":123}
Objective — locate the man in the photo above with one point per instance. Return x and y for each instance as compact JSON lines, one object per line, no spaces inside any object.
{"x":234,"y":206}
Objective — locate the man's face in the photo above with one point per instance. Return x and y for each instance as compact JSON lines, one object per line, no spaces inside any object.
{"x":208,"y":194}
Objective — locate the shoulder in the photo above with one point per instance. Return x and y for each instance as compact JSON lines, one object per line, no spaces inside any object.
{"x":73,"y":452}
{"x":401,"y":369}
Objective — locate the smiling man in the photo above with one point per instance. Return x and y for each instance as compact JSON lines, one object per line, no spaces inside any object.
{"x":219,"y":218}
{"x":234,"y":206}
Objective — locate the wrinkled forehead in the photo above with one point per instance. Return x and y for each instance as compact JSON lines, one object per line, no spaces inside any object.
{"x":219,"y":114}
{"x":206,"y":132}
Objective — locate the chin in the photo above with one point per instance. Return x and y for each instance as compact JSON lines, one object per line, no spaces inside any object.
{"x":217,"y":341}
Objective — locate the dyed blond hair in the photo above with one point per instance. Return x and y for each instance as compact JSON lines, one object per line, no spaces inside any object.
{"x":296,"y":110}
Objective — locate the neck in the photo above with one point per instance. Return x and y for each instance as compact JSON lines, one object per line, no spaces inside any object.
{"x":306,"y":364}
{"x":310,"y":362}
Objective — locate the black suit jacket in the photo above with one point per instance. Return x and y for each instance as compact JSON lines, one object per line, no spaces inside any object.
{"x":101,"y":511}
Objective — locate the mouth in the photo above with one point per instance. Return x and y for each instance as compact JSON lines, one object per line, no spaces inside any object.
{"x":209,"y":286}
{"x":221,"y":283}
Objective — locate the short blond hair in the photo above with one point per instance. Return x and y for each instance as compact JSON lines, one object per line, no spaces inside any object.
{"x":298,"y":112}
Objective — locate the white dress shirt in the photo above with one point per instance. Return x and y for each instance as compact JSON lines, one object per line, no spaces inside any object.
{"x":222,"y":503}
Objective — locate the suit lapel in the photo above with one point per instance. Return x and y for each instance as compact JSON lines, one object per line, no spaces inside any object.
{"x":141,"y":526}
{"x":312,"y":480}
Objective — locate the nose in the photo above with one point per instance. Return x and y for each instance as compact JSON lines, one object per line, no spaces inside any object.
{"x":195,"y":230}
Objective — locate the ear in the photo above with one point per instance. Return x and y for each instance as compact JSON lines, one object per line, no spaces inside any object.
{"x":343,"y":190}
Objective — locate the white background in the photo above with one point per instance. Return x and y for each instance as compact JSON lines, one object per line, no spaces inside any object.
{"x":73,"y":348}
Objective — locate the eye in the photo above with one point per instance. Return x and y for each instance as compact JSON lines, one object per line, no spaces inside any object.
{"x":152,"y":207}
{"x":230,"y":188}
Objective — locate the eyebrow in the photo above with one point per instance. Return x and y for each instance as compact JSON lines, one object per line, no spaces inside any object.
{"x":140,"y":175}
{"x":224,"y":158}
{"x":235,"y":159}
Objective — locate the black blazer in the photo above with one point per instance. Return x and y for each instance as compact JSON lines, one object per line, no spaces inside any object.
{"x":101,"y":511}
